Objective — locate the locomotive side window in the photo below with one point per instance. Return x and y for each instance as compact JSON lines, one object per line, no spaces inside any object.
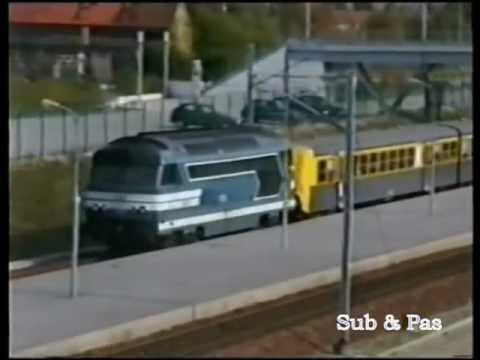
{"x":266,"y":168}
{"x":170,"y":175}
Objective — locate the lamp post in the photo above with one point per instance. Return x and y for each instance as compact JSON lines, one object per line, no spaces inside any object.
{"x":424,"y":21}
{"x":76,"y":198}
{"x":166,"y":74}
{"x":308,"y":20}
{"x":140,"y":56}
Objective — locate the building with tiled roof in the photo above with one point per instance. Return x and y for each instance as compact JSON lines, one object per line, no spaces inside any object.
{"x":60,"y":27}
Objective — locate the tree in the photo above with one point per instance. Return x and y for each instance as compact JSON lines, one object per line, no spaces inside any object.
{"x":392,"y":24}
{"x":221,"y":39}
{"x":444,"y":22}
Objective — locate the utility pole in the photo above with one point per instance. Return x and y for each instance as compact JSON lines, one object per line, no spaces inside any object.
{"x":140,"y":52}
{"x":308,"y":20}
{"x":424,"y":20}
{"x":349,"y":206}
{"x":166,"y":73}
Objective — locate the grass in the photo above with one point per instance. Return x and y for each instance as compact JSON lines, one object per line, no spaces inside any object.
{"x":41,"y":208}
{"x":25,"y":97}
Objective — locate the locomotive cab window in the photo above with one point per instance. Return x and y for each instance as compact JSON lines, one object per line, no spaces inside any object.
{"x":170,"y":175}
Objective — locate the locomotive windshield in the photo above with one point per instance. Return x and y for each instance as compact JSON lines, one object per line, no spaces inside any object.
{"x":117,"y":170}
{"x":124,"y":178}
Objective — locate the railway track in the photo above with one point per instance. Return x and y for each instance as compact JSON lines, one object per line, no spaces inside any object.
{"x":84,"y":260}
{"x":206,"y":336}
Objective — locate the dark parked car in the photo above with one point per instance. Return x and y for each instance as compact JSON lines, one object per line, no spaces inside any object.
{"x":200,"y":115}
{"x":322,"y":105}
{"x":274,"y":110}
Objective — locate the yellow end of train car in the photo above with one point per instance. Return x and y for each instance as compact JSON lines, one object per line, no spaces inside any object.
{"x":316,"y":179}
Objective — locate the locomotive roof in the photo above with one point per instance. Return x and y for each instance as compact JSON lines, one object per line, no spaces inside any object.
{"x":332,"y":144}
{"x":213,"y":144}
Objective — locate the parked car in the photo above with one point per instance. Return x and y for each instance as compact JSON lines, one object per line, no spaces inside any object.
{"x":200,"y":115}
{"x":273,"y":111}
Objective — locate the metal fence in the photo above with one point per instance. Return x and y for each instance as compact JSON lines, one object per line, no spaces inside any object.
{"x":52,"y":134}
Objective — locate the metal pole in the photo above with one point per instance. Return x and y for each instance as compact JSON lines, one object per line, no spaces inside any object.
{"x":349,"y":203}
{"x":197,"y":75}
{"x":460,"y":21}
{"x":86,"y":133}
{"x":64,"y":133}
{"x":19,"y":137}
{"x":140,"y":52}
{"x":144,"y":116}
{"x":308,"y":20}
{"x":76,"y":215}
{"x":251,"y":59}
{"x":42,"y":134}
{"x":432,"y":181}
{"x":286,"y":184}
{"x":424,"y":21}
{"x":105,"y":125}
{"x":124,"y":121}
{"x":166,"y":70}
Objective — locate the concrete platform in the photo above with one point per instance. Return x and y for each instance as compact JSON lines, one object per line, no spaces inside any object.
{"x":131,"y":297}
{"x":453,"y":341}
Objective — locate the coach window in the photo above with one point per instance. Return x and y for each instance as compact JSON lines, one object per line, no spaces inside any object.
{"x":170,"y":175}
{"x":356,"y":165}
{"x":383,"y":161}
{"x":411,"y":157}
{"x":322,"y":168}
{"x":373,"y":163}
{"x":363,"y":164}
{"x":453,"y":149}
{"x":393,"y":160}
{"x":401,"y":158}
{"x":467,"y":153}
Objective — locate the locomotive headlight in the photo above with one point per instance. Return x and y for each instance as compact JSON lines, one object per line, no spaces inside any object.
{"x":292,"y":184}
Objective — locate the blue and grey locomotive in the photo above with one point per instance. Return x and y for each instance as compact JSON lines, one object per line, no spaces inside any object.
{"x":152,"y":186}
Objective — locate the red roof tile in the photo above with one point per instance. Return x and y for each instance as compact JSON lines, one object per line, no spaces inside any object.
{"x":116,"y":15}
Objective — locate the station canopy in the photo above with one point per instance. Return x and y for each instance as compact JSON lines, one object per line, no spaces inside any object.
{"x":384,"y":54}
